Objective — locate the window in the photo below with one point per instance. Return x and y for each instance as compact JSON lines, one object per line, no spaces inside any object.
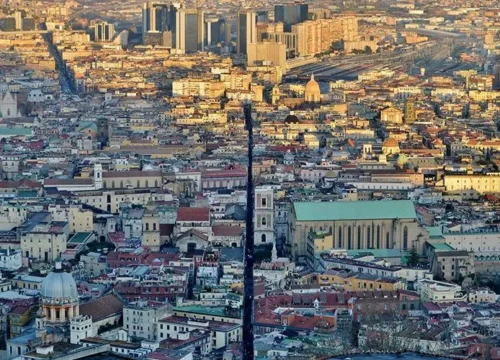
{"x":263,"y":221}
{"x":264,"y":202}
{"x":387,"y":240}
{"x":378,"y":236}
{"x":405,"y":238}
{"x":368,"y":237}
{"x":147,"y":226}
{"x":154,"y":226}
{"x":359,"y":236}
{"x":340,"y":238}
{"x":113,"y":184}
{"x":263,"y":238}
{"x":349,"y":241}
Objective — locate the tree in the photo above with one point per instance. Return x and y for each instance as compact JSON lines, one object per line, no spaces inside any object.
{"x":368,"y":50}
{"x":412,"y":259}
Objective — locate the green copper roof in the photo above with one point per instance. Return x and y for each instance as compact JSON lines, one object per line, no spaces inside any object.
{"x":434,"y":231}
{"x":354,"y":210}
{"x":16,"y":131}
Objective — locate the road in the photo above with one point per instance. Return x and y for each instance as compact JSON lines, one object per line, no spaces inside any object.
{"x":67,"y":85}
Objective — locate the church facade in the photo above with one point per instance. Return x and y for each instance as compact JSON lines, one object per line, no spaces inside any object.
{"x":354,"y":225}
{"x":8,"y":105}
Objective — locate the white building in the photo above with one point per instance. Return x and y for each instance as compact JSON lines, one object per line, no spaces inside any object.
{"x":221,"y":333}
{"x":80,"y":328}
{"x":140,"y":318}
{"x":439,"y":291}
{"x":264,"y":215}
{"x":10,"y":260}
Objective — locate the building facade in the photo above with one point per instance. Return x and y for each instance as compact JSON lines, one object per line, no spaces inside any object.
{"x":354,"y":225}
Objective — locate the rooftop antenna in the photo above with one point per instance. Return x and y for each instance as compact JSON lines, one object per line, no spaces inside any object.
{"x":248,"y":301}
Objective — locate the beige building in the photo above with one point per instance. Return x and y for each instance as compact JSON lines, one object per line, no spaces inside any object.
{"x":46,"y":241}
{"x":355,"y":225}
{"x":452,"y":265}
{"x":79,"y":220}
{"x":267,"y":53}
{"x":317,"y":36}
{"x":133,"y":179}
{"x":110,"y":200}
{"x":482,"y":295}
{"x":439,"y":291}
{"x":151,"y":230}
{"x":480,"y":183}
{"x":391,"y":115}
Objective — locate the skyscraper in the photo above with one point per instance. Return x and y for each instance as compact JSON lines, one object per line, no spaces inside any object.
{"x":496,"y":74}
{"x":104,"y":31}
{"x":158,"y":17}
{"x":291,"y":14}
{"x":246,"y":30}
{"x":213,"y":31}
{"x":190,"y":30}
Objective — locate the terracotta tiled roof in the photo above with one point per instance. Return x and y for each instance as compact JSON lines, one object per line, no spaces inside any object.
{"x":102,"y":307}
{"x":55,"y":182}
{"x":132,"y":173}
{"x":224,"y":230}
{"x":193,"y":214}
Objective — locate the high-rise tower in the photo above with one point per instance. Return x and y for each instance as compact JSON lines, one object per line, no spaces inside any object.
{"x":190,"y":30}
{"x":246,"y":30}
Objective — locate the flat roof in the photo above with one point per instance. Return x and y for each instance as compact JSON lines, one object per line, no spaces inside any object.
{"x":203,"y":310}
{"x":442,"y":247}
{"x":378,"y":253}
{"x":79,"y":237}
{"x":354,"y":210}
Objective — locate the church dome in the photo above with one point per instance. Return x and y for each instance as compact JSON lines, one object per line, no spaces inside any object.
{"x":390,"y":142}
{"x":291,"y":119}
{"x":59,"y":285}
{"x":312,"y":91}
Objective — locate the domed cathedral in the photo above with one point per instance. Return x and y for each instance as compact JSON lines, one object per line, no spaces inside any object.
{"x":59,"y":297}
{"x":312,"y":92}
{"x":390,"y":147}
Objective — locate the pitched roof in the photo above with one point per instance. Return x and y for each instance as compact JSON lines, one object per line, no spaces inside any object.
{"x":225,"y":230}
{"x":55,"y":182}
{"x":131,"y":173}
{"x":193,"y":214}
{"x":354,"y":210}
{"x":102,"y":307}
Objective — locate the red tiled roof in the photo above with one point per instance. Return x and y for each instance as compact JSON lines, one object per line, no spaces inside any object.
{"x":131,"y":173}
{"x":225,"y":230}
{"x":224,"y":173}
{"x":102,"y":307}
{"x":55,"y":182}
{"x":193,"y":214}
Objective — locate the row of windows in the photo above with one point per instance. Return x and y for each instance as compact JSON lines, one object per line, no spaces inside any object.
{"x":146,"y":184}
{"x":369,"y":236}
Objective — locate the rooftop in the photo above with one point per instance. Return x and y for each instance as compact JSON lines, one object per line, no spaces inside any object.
{"x":202,"y":310}
{"x":354,"y":210}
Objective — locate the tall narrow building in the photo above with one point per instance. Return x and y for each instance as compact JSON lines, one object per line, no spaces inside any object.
{"x":157,"y":17}
{"x":104,"y":31}
{"x":291,"y":14}
{"x":190,"y":31}
{"x":264,"y":216}
{"x":246,"y":30}
{"x":496,"y":74}
{"x":410,"y":113}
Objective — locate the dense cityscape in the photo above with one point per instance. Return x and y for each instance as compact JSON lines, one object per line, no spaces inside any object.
{"x":212,"y":179}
